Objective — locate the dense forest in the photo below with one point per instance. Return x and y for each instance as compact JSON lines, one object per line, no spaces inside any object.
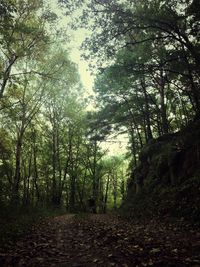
{"x":144,"y":56}
{"x":50,"y":148}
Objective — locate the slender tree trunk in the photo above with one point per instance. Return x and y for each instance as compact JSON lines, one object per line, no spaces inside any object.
{"x":28,"y":180}
{"x":25,"y":176}
{"x":95,"y":182}
{"x":133,"y":146}
{"x":72,"y":192}
{"x":133,"y":121}
{"x":6,"y":74}
{"x":194,"y":89}
{"x":36,"y":172}
{"x":106,"y":194}
{"x":165,"y":123}
{"x":114,"y":179}
{"x":147,"y":111}
{"x":54,"y":163}
{"x":17,"y":176}
{"x":72,"y":177}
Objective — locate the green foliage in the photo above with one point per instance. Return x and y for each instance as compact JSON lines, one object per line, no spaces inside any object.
{"x":147,"y":85}
{"x":148,"y":59}
{"x":43,"y":132}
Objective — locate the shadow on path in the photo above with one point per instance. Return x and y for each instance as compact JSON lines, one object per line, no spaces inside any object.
{"x":104,"y":240}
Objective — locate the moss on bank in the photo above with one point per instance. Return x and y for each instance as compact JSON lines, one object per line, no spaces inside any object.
{"x":166,"y":181}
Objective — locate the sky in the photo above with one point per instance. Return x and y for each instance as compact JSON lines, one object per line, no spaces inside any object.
{"x":115,"y":145}
{"x":77,"y":37}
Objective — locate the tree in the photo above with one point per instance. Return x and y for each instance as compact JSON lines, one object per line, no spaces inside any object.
{"x":144,"y":92}
{"x":171,"y":25}
{"x":23,"y":36}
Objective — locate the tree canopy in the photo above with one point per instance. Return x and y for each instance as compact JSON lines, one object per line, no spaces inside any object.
{"x":146,"y":55}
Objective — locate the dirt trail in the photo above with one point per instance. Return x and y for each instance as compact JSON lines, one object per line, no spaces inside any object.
{"x":103,"y":240}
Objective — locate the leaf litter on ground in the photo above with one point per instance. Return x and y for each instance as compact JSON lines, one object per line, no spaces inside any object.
{"x":103,"y":240}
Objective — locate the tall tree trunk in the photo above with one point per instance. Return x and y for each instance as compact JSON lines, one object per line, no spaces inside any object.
{"x":17,"y":176}
{"x":72,"y":178}
{"x":95,"y":182}
{"x":36,"y":171}
{"x":6,"y":74}
{"x":147,"y":111}
{"x":115,"y":190}
{"x":194,"y":89}
{"x":133,"y":145}
{"x":54,"y":163}
{"x":165,"y":123}
{"x":72,"y":192}
{"x":106,"y":194}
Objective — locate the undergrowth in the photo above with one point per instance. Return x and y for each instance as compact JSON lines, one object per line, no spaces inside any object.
{"x":14,"y":223}
{"x":178,"y":202}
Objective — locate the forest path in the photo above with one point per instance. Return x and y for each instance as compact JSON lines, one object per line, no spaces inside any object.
{"x":104,"y":240}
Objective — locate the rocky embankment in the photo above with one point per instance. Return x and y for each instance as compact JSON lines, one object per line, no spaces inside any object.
{"x":166,"y":180}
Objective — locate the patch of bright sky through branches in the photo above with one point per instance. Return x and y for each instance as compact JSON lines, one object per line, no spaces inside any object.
{"x":115,"y":145}
{"x":76,"y":38}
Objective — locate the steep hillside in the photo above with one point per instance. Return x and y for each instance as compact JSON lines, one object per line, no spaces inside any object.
{"x":167,"y":178}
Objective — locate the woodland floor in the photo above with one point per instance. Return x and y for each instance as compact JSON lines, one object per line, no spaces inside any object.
{"x":104,"y":240}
